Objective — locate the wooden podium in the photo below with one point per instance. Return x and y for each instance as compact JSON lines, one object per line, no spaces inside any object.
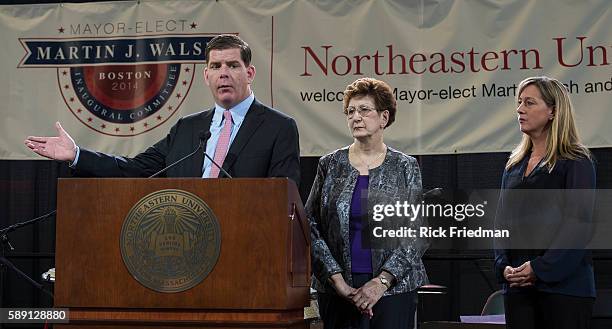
{"x":261,"y":278}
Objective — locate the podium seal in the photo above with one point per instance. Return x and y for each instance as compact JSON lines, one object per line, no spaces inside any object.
{"x":170,"y":241}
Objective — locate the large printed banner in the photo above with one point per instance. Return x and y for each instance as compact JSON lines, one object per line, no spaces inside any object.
{"x":118,"y":75}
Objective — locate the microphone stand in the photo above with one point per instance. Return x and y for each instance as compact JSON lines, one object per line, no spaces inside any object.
{"x":218,"y":166}
{"x":204,"y":136}
{"x":15,"y":226}
{"x":5,"y":263}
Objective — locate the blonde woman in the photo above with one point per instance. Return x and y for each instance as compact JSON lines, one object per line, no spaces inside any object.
{"x":551,"y":287}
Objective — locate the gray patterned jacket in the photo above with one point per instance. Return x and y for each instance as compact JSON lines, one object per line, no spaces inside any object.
{"x":398,"y":178}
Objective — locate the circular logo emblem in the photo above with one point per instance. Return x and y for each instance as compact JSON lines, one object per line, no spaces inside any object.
{"x":170,"y":241}
{"x":125,"y":100}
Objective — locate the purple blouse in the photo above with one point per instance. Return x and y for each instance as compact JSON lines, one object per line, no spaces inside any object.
{"x":361,"y":258}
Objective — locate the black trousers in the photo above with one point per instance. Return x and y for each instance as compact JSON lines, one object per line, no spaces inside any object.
{"x":390,"y":312}
{"x":532,"y":309}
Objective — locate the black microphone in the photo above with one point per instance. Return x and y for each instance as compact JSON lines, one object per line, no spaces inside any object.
{"x":202,"y":134}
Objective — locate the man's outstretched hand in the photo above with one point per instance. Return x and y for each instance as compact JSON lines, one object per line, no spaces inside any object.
{"x":61,"y":147}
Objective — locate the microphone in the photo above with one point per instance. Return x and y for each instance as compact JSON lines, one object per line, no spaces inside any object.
{"x":433,"y":192}
{"x":202,"y":134}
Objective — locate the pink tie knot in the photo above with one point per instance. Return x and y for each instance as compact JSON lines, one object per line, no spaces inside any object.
{"x":227,"y":115}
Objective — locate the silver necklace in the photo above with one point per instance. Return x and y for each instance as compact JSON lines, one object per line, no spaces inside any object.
{"x":368,"y":165}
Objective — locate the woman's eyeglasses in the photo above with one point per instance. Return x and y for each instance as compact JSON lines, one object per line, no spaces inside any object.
{"x":362,"y":110}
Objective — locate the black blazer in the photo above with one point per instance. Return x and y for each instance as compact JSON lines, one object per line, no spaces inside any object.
{"x":560,"y":271}
{"x":267,"y":145}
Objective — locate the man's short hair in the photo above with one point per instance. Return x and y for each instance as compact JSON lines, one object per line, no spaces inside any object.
{"x":230,"y":41}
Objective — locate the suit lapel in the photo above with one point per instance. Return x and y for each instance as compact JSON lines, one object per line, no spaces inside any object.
{"x":252,"y":121}
{"x":203,"y":124}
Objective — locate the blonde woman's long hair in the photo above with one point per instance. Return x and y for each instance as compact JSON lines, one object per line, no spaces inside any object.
{"x":562,"y":140}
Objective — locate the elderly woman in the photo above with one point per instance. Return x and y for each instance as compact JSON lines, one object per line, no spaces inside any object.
{"x":550,"y":285}
{"x":361,"y":287}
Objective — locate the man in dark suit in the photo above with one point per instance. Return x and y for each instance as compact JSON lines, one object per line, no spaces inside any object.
{"x":247,"y":137}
